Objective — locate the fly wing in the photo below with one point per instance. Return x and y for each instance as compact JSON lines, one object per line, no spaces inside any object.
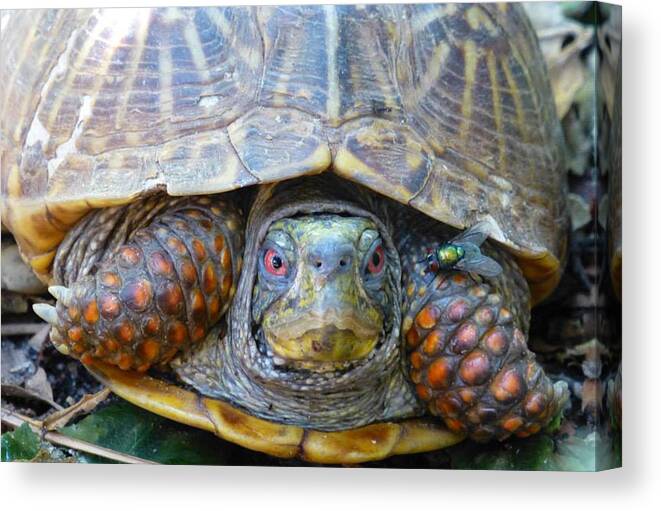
{"x":475,"y":261}
{"x":475,"y":234}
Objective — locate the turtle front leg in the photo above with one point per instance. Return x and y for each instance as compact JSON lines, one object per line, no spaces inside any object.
{"x":468,"y":356}
{"x":159,"y":289}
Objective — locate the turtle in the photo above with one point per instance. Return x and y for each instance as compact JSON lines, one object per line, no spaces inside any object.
{"x":234,"y":208}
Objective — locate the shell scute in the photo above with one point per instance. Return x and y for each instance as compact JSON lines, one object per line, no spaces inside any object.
{"x":446,"y":108}
{"x":274,"y":143}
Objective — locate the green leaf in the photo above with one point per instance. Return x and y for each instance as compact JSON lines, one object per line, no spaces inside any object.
{"x":578,"y":452}
{"x":22,"y":444}
{"x":532,"y":454}
{"x":126,"y":428}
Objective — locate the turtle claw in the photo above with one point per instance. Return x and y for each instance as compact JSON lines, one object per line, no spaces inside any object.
{"x":63,"y":348}
{"x":46,"y":312}
{"x":61,"y":293}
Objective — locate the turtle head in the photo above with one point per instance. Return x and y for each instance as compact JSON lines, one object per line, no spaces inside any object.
{"x":321,"y":295}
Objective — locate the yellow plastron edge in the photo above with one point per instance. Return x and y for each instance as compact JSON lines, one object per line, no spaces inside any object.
{"x":359,"y":445}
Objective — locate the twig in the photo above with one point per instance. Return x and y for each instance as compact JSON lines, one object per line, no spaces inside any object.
{"x":62,"y":417}
{"x":15,"y":420}
{"x":21,"y":328}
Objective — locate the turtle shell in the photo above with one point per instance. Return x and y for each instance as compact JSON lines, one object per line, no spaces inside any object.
{"x":446,"y":108}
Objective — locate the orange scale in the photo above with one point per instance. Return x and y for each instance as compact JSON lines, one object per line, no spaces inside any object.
{"x":125,"y":332}
{"x":193,"y":213}
{"x":75,"y":334}
{"x":423,"y":392}
{"x":149,"y":350}
{"x":412,"y":337}
{"x":226,"y":260}
{"x":197,"y":302}
{"x":78,"y":348}
{"x":214,"y":307}
{"x":198,"y":333}
{"x":440,"y":373}
{"x":475,"y":368}
{"x":433,"y":342}
{"x":511,"y":424}
{"x":125,"y":361}
{"x":450,"y":404}
{"x":495,"y":341}
{"x":136,"y":295}
{"x":111,"y":345}
{"x":177,"y":333}
{"x":219,"y":243}
{"x":484,"y":316}
{"x":110,"y":279}
{"x":160,"y":264}
{"x":209,"y":280}
{"x":428,"y":316}
{"x":454,"y":425}
{"x":152,"y":325}
{"x":205,"y":224}
{"x":91,"y":312}
{"x":188,"y":272}
{"x":74,"y":313}
{"x":458,"y":310}
{"x":534,"y":404}
{"x":170,"y":298}
{"x":110,"y":306}
{"x":465,"y":339}
{"x":226,"y":285}
{"x":129,"y":256}
{"x":199,"y":251}
{"x":507,"y":385}
{"x":176,"y":245}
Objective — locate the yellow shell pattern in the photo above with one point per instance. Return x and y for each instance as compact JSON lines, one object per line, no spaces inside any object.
{"x":446,"y":108}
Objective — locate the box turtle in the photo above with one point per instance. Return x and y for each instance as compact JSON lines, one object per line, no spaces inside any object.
{"x":271,"y":223}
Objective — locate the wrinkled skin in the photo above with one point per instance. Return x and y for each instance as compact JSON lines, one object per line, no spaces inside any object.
{"x":335,"y":318}
{"x":320,"y":295}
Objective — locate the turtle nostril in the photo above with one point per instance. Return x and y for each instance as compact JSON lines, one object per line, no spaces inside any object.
{"x":330,"y":257}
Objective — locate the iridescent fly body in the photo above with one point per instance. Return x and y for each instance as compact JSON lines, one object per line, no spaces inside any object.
{"x":463,"y":253}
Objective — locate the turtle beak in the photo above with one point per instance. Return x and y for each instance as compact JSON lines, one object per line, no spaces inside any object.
{"x":327,"y":316}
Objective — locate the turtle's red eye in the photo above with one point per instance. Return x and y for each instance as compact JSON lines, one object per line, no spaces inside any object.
{"x":274,"y":263}
{"x":376,"y":261}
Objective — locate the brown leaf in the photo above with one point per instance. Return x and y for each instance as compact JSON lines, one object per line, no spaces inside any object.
{"x":38,"y":383}
{"x":9,"y":389}
{"x":18,"y":276}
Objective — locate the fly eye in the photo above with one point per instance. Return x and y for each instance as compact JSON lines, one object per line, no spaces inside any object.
{"x":376,"y":261}
{"x":274,"y":263}
{"x":432,"y":261}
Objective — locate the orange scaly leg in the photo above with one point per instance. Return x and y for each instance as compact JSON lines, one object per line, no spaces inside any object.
{"x":153,"y":295}
{"x":468,"y":354}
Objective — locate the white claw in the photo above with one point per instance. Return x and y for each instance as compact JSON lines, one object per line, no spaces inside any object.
{"x":45,"y":312}
{"x":62,"y":348}
{"x":61,"y":293}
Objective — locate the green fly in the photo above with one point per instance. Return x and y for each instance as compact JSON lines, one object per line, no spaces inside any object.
{"x":463,"y":253}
